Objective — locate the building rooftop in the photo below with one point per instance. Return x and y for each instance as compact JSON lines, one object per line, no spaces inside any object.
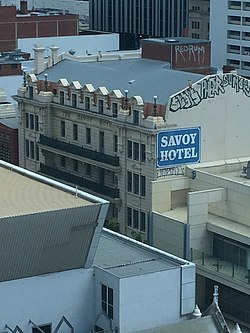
{"x":175,"y":40}
{"x":44,"y":226}
{"x":123,"y":257}
{"x":10,"y":122}
{"x":21,"y":195}
{"x":143,"y":77}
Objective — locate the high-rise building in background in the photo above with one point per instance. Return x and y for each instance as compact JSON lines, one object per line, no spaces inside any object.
{"x":199,"y":15}
{"x":230,"y":35}
{"x":161,"y":18}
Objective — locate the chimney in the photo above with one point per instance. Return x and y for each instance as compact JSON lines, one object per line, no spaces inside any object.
{"x":54,"y":50}
{"x":23,"y":7}
{"x":39,"y":59}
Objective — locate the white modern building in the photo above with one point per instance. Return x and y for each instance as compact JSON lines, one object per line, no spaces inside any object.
{"x":229,"y":34}
{"x":60,"y":272}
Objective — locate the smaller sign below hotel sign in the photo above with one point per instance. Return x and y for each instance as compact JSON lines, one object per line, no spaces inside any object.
{"x":178,"y":146}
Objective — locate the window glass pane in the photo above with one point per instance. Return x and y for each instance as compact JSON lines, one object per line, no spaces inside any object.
{"x":87,"y":103}
{"x":136,"y":151}
{"x":36,"y":123}
{"x":32,"y":150}
{"x":110,"y":296}
{"x":75,"y":132}
{"x":129,"y":152}
{"x":104,"y":293}
{"x":143,"y":152}
{"x":143,"y":186}
{"x":135,"y":219}
{"x":31,"y":121}
{"x":129,"y":182}
{"x":62,"y":128}
{"x":136,"y":183}
{"x":142,"y":221}
{"x":27,"y":120}
{"x":129,"y":217}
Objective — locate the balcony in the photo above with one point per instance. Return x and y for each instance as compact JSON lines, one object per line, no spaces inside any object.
{"x":79,"y":181}
{"x":221,"y":267}
{"x":60,"y":146}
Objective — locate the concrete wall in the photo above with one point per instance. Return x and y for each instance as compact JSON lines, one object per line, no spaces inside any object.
{"x":80,"y":44}
{"x":160,"y":295}
{"x":168,"y":234}
{"x":45,"y":299}
{"x":235,"y":206}
{"x":218,"y":32}
{"x":219,"y":105}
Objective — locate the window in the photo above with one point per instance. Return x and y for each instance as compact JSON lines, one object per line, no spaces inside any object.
{"x":129,"y":149}
{"x":115,"y":143}
{"x":88,"y":136}
{"x":143,"y":152}
{"x":75,"y":132}
{"x":31,"y":121}
{"x":195,"y":25}
{"x":36,"y":123}
{"x":44,"y":328}
{"x":32,"y":150}
{"x":87,"y":103}
{"x":74,"y":100}
{"x":108,"y":301}
{"x":129,"y":217}
{"x":142,"y":221}
{"x":31,"y":93}
{"x":61,"y":97}
{"x":136,"y":151}
{"x":136,"y":117}
{"x":143,"y":186}
{"x":136,"y":219}
{"x":27,"y":121}
{"x":100,"y":106}
{"x":62,"y":126}
{"x":129,"y":182}
{"x":88,"y":169}
{"x":62,"y":161}
{"x":27,"y":144}
{"x":114,"y":110}
{"x":101,"y":142}
{"x":136,"y":184}
{"x":75,"y":165}
{"x":37,"y":152}
{"x":195,"y":35}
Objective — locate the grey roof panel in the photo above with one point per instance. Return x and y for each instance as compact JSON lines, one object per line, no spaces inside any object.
{"x":123,"y":258}
{"x":147,"y":77}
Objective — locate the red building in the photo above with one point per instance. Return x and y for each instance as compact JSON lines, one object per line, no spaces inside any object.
{"x":9,"y":140}
{"x":33,"y":24}
{"x":186,"y":54}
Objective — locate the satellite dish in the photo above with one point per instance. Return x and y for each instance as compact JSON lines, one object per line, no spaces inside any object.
{"x":72,"y":52}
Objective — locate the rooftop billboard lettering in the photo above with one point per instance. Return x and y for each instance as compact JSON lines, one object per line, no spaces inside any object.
{"x":209,"y":87}
{"x":177,"y":147}
{"x":189,"y":53}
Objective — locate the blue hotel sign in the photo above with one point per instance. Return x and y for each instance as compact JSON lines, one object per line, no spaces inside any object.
{"x":179,"y":146}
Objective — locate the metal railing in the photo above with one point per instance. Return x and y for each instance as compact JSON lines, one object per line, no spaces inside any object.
{"x":215,"y":264}
{"x":80,"y":181}
{"x":79,"y":151}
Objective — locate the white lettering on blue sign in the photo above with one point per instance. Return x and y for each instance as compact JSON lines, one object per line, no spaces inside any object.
{"x":175,"y":147}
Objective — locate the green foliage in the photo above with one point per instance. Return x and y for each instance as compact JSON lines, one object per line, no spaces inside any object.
{"x":112,"y":224}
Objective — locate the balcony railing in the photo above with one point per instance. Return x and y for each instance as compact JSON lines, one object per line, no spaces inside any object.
{"x":79,"y":181}
{"x":214,"y":264}
{"x":79,"y":151}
